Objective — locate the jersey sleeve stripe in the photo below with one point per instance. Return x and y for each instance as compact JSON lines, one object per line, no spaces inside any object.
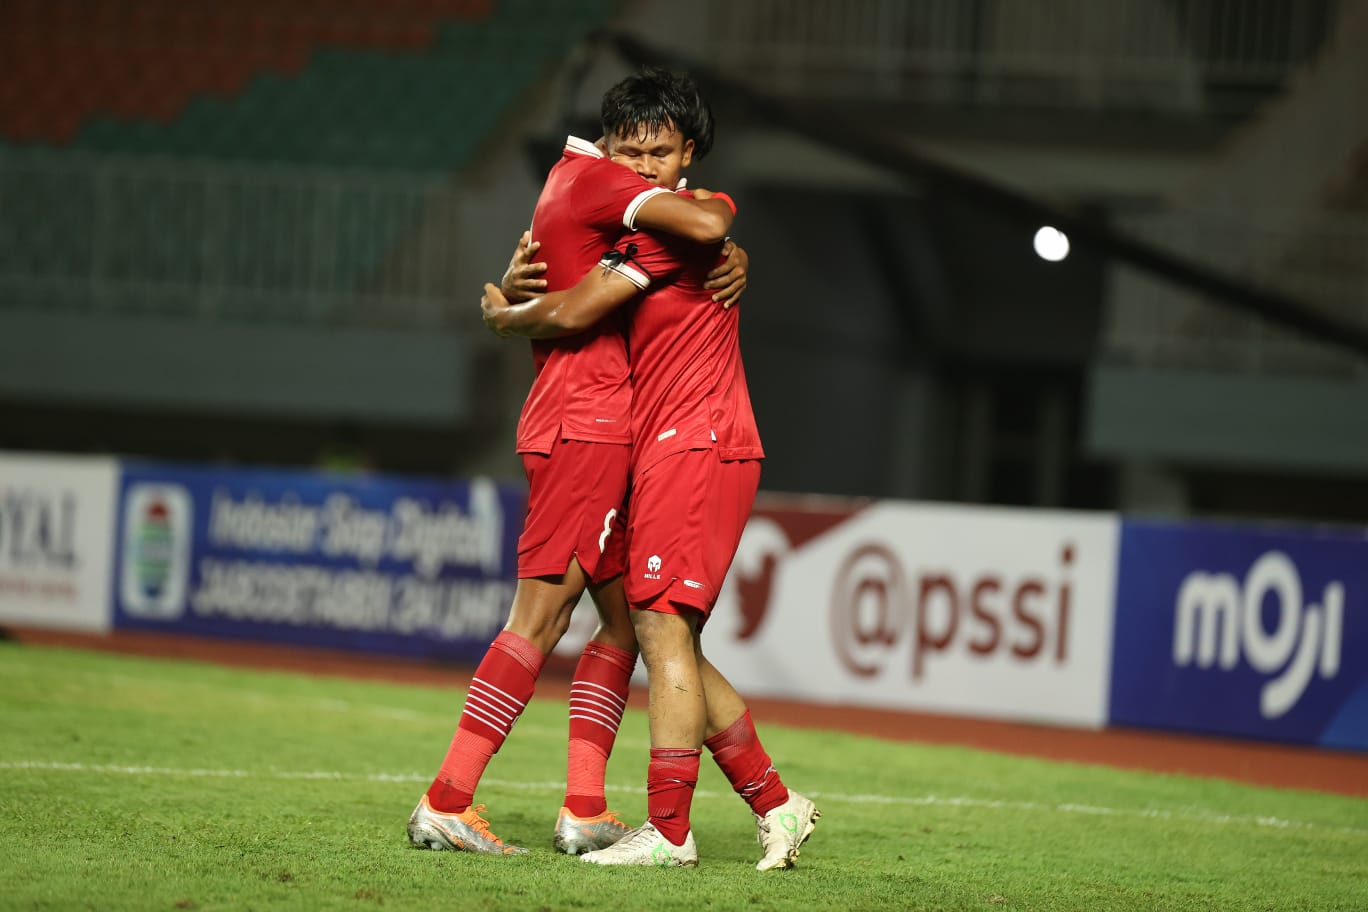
{"x":631,"y":274}
{"x":629,"y":218}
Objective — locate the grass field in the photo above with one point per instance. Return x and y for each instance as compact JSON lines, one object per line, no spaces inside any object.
{"x":142,"y":784}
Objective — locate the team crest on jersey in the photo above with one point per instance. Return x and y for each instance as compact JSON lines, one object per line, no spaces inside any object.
{"x":652,"y":567}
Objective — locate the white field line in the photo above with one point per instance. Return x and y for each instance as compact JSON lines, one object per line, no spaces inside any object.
{"x":1186,"y":815}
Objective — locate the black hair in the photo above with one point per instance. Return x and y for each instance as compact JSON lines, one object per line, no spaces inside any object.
{"x":656,"y":98}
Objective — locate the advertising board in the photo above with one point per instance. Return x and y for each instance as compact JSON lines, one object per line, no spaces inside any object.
{"x":960,"y":610}
{"x":367,"y":562}
{"x":56,"y":524}
{"x":1258,"y":632}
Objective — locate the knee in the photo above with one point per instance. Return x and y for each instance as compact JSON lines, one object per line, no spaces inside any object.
{"x":618,"y":634}
{"x":658,"y":633}
{"x":618,"y":624}
{"x":543,"y":624}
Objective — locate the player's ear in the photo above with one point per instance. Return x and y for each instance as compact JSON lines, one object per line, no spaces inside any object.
{"x":687,"y":157}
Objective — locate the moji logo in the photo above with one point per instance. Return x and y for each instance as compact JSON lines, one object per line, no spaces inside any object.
{"x":1218,"y":619}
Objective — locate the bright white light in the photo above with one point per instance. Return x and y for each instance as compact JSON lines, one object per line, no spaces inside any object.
{"x":1051,"y":244}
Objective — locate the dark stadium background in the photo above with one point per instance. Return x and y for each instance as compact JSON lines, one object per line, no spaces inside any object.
{"x":247,"y":232}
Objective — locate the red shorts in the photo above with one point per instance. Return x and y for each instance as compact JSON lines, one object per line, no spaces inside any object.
{"x":574,"y":504}
{"x":684,"y":523}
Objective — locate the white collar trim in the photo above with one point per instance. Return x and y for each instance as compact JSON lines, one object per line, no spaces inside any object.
{"x":583,"y":147}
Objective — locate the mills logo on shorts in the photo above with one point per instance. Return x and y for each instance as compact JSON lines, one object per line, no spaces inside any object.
{"x":156,"y":551}
{"x":652,"y":567}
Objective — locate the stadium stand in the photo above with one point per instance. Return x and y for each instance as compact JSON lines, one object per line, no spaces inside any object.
{"x":177,"y":152}
{"x":411,"y":85}
{"x":149,"y":59}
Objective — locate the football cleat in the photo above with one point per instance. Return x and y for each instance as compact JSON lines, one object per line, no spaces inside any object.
{"x":577,"y":835}
{"x":783,"y":830}
{"x":463,"y":832}
{"x":647,"y":846}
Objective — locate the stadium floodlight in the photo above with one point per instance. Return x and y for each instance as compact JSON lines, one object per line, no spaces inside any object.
{"x":1051,"y":244}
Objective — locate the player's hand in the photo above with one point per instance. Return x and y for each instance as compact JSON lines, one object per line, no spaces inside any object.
{"x":491,"y":306}
{"x":728,"y":280}
{"x":523,"y":279}
{"x":700,"y":193}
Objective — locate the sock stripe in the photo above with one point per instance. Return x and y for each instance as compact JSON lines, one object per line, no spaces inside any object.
{"x":598,"y":699}
{"x":501,"y":726}
{"x":597,"y":708}
{"x":597,"y":691}
{"x":611,"y":727}
{"x":493,"y":694}
{"x":593,"y":712}
{"x":484,"y":705}
{"x":597,"y":713}
{"x":751,"y":789}
{"x":494,"y":709}
{"x":608,"y":708}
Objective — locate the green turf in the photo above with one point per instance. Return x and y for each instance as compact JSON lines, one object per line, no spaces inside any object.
{"x":144,"y":784}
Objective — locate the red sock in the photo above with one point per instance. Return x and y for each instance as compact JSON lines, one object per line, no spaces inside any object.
{"x":670,"y":782}
{"x":742,"y":758}
{"x":598,"y":695}
{"x":500,"y":689}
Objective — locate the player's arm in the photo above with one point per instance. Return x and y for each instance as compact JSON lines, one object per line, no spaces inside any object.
{"x":619,"y":194}
{"x":727,"y":280}
{"x":560,"y":313}
{"x":706,"y":218}
{"x":524,"y":279}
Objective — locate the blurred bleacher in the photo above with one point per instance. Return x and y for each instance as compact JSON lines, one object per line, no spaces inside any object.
{"x":255,"y":208}
{"x":249,"y":159}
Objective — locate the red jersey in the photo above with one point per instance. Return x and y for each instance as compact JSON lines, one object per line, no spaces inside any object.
{"x":688,"y":383}
{"x":582,"y":390}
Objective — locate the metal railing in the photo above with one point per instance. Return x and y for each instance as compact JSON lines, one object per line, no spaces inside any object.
{"x":1165,"y":55}
{"x":1322,"y":262}
{"x":219,"y":241}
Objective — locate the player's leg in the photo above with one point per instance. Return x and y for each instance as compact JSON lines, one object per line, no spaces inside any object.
{"x":571,"y":491}
{"x":734,"y":745}
{"x":598,"y":696}
{"x":677,"y":714}
{"x":665,"y":617}
{"x":784,"y":819}
{"x":598,"y":689}
{"x":502,"y":685}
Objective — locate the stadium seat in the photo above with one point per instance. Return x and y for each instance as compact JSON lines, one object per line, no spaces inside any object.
{"x":407,"y":86}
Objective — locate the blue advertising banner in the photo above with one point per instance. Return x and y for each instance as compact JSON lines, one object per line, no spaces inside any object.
{"x":360,"y":562}
{"x":1239,"y":631}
